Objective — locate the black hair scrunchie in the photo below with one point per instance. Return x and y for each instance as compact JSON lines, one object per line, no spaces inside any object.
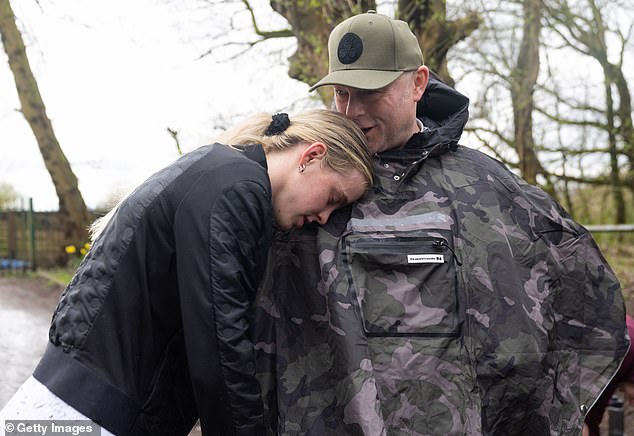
{"x":279,"y":123}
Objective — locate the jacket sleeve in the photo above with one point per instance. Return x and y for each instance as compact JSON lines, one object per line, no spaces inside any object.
{"x":590,"y":314}
{"x":588,"y":336}
{"x":218,"y":278}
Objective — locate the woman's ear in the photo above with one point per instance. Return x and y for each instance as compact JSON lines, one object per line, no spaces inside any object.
{"x":314,"y":151}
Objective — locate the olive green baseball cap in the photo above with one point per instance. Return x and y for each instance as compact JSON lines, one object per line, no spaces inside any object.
{"x":370,"y":51}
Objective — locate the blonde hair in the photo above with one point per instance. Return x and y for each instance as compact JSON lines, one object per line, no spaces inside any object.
{"x":346,"y":146}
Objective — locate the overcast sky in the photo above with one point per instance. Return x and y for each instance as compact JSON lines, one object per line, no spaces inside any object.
{"x":115,"y":75}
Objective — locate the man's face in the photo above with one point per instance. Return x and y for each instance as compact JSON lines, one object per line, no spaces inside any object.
{"x":387,"y":116}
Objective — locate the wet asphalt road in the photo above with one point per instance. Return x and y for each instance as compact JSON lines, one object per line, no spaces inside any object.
{"x":26,"y":306}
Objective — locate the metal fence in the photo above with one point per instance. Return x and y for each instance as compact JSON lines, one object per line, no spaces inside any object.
{"x":610,"y":228}
{"x":17,"y":239}
{"x":29,"y":239}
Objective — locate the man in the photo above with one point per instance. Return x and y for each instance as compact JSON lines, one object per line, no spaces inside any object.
{"x":454,"y":298}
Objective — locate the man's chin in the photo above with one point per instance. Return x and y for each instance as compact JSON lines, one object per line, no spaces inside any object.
{"x":375,"y":145}
{"x":375,"y":148}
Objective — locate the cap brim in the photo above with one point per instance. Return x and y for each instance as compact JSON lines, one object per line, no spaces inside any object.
{"x":361,"y":79}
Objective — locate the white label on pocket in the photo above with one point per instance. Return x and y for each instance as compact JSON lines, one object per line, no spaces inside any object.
{"x":425,"y":258}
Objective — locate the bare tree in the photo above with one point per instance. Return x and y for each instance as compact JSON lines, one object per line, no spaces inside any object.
{"x":523,"y":80}
{"x":505,"y":57}
{"x":584,"y":26}
{"x":555,"y":123}
{"x":436,"y":33}
{"x":71,"y":203}
{"x":8,"y":195}
{"x":310,"y":23}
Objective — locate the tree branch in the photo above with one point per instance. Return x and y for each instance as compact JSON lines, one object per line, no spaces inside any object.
{"x":266,"y":34}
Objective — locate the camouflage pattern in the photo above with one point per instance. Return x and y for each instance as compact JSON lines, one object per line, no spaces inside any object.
{"x":453,"y":299}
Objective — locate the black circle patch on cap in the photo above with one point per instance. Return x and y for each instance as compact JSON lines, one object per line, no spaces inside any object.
{"x":350,"y":48}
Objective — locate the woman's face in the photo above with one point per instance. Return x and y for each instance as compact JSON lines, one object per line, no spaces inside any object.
{"x":315,"y":193}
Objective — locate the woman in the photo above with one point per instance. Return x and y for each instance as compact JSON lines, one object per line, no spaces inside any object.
{"x":153,"y":330}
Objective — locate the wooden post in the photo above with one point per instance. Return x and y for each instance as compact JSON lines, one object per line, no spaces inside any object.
{"x":31,"y":227}
{"x":11,"y":234}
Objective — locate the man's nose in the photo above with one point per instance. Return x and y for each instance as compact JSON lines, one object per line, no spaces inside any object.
{"x":354,"y":108}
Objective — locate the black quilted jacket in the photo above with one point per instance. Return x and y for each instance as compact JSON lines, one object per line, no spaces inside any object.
{"x":153,"y":329}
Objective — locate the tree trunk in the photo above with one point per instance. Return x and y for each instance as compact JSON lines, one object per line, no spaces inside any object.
{"x":612,"y":76}
{"x":615,"y":177}
{"x":436,"y":35}
{"x":524,"y":78}
{"x":588,"y":35}
{"x":625,"y":128}
{"x":311,"y":23}
{"x":71,"y":203}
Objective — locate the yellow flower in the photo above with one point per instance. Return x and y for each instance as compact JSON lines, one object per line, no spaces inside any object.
{"x":70,"y":249}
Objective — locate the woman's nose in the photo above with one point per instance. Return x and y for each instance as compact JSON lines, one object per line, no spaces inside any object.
{"x":324,"y":215}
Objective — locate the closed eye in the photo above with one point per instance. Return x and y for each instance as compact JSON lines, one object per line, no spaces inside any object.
{"x":337,"y":198}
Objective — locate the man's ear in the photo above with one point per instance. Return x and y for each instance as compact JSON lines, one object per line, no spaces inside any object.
{"x":316,"y":150}
{"x":421,"y":77}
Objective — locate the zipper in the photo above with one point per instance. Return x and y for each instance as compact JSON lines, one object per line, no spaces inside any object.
{"x":438,"y":244}
{"x":443,"y":243}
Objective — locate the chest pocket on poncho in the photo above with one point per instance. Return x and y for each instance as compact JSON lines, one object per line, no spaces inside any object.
{"x":405,"y":286}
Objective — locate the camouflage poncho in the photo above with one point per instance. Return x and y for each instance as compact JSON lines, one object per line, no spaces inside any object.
{"x":453,"y":299}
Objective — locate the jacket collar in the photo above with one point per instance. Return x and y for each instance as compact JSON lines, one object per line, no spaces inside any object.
{"x":255,"y":153}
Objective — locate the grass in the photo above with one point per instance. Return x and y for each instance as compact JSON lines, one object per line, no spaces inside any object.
{"x":58,"y":275}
